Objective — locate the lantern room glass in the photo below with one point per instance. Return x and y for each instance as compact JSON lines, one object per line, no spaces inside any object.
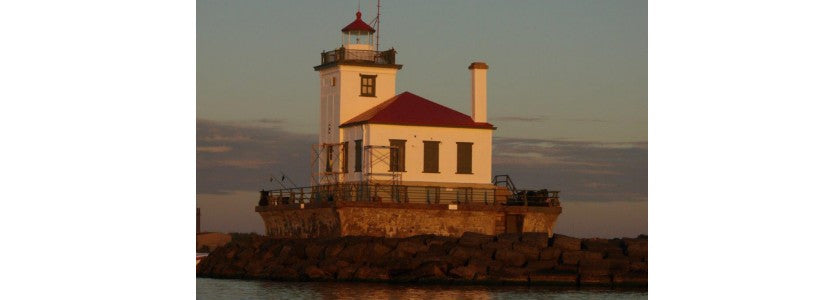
{"x":358,"y":38}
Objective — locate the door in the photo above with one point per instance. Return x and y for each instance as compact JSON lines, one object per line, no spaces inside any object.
{"x":513,"y":223}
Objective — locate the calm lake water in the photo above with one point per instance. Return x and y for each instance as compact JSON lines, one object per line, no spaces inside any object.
{"x":207,"y":288}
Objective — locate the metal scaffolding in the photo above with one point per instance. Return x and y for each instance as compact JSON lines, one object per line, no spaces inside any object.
{"x":325,"y":163}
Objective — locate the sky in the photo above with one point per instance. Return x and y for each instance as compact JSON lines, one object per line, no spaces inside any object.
{"x":567,"y":89}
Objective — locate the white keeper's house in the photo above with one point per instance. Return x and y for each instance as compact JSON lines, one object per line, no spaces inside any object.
{"x":369,"y":133}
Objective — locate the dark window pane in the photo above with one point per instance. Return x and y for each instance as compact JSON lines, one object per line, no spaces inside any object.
{"x":397,"y":155}
{"x":430,"y":157}
{"x":367,"y":85}
{"x":465,"y":158}
{"x":358,"y":155}
{"x":345,"y":166}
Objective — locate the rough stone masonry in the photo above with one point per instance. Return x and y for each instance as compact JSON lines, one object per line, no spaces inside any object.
{"x":508,"y":258}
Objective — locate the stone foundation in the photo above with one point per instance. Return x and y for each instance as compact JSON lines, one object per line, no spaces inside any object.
{"x":343,"y":218}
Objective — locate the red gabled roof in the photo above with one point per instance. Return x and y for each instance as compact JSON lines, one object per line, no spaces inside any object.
{"x":358,"y":25}
{"x":410,"y":109}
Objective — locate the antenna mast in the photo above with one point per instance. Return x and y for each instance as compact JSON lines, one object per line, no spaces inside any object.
{"x":376,"y":22}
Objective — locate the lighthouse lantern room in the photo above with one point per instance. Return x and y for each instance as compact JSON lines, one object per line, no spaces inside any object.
{"x":358,"y":35}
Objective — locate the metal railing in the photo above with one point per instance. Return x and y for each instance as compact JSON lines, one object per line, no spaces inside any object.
{"x":342,"y":54}
{"x":385,"y":193}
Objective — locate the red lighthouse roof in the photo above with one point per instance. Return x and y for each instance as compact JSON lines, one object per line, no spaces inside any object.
{"x":410,"y":109}
{"x":358,"y":25}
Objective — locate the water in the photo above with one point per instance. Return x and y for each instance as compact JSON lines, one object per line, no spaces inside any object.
{"x":207,"y":288}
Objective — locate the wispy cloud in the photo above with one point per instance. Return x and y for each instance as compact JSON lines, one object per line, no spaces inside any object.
{"x":519,"y":118}
{"x":585,"y":120}
{"x":271,"y":121}
{"x":242,"y":156}
{"x":234,"y":156}
{"x":582,"y":170}
{"x":213,"y":149}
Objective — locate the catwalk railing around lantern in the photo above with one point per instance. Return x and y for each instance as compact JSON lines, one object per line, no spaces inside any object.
{"x":361,"y":56}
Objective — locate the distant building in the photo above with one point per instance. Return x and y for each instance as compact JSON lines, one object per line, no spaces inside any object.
{"x":377,"y":147}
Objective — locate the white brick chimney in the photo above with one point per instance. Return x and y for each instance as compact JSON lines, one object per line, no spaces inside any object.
{"x":478,"y":70}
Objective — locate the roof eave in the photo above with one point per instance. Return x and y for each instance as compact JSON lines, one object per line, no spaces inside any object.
{"x":491,"y":127}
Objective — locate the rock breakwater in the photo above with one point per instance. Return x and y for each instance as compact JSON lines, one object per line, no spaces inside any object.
{"x":510,"y":258}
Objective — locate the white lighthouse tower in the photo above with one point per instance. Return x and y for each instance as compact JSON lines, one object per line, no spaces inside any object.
{"x":353,"y":78}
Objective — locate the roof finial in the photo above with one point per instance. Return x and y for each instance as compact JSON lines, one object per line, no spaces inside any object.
{"x":358,"y":14}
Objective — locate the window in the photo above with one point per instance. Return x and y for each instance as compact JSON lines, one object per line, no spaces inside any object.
{"x":367,"y":85}
{"x":431,"y":156}
{"x":345,"y":166}
{"x":397,"y":156}
{"x":465,"y":158}
{"x":333,"y":81}
{"x":358,"y":155}
{"x":329,"y":158}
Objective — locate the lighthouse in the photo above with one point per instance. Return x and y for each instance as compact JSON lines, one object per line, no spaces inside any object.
{"x":371,"y":133}
{"x":390,"y":163}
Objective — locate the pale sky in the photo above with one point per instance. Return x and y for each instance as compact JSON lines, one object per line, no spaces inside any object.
{"x":567,"y":89}
{"x":571,"y":69}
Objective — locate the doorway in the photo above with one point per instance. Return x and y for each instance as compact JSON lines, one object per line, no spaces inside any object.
{"x":513,"y":223}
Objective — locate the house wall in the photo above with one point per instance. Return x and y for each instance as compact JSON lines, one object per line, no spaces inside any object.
{"x":482,"y":139}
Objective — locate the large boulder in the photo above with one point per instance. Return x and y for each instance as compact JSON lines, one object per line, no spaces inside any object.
{"x":411,"y":246}
{"x":347,"y":272}
{"x":530,"y":251}
{"x":566,"y":243}
{"x":538,"y":239}
{"x":554,"y":279}
{"x":284,"y":274}
{"x":508,"y":237}
{"x":591,"y":256}
{"x":427,"y":272}
{"x":494,"y":246}
{"x":594,"y":267}
{"x":463,"y":252}
{"x":638,"y":267}
{"x":371,"y":274}
{"x":211,"y":240}
{"x":594,"y":279}
{"x":333,"y":249}
{"x":474,"y":239}
{"x":510,"y":258}
{"x":541,"y":265}
{"x":315,"y":251}
{"x":571,"y":257}
{"x":316,"y":273}
{"x":631,"y":279}
{"x":550,"y":253}
{"x":464,"y":272}
{"x":596,"y":244}
{"x":481,"y":266}
{"x":377,"y":249}
{"x":636,"y":247}
{"x":619,"y":265}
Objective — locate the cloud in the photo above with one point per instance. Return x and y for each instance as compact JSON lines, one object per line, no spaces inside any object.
{"x":581,"y":170}
{"x":241,"y":156}
{"x":270,"y":121}
{"x":584,"y":120}
{"x":519,"y":118}
{"x":213,"y":149}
